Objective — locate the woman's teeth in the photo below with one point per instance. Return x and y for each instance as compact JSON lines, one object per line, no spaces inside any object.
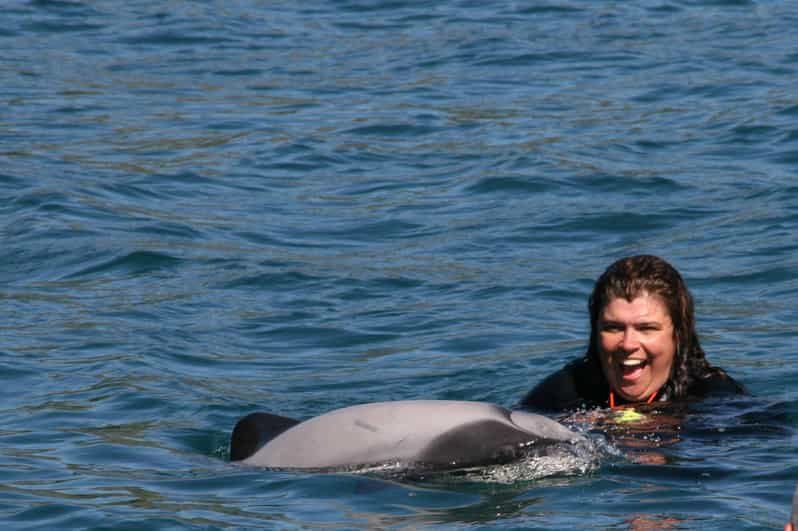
{"x":632,"y":363}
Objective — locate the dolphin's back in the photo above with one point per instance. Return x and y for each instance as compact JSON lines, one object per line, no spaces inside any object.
{"x":436,"y":433}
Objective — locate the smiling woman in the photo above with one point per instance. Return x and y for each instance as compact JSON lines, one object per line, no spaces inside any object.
{"x":643,"y":345}
{"x":636,"y":347}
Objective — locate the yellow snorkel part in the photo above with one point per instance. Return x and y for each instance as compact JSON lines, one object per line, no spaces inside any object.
{"x":628,"y":415}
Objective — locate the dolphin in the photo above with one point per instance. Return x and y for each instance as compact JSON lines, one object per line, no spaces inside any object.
{"x":429,"y":434}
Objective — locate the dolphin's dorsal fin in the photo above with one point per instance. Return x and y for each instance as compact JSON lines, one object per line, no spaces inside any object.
{"x":255,"y":430}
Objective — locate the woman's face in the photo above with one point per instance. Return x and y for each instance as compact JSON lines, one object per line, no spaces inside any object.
{"x":636,"y":345}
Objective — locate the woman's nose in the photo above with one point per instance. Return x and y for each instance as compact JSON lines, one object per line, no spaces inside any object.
{"x":630,"y":341}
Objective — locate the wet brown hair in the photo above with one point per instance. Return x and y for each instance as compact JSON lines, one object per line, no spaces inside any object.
{"x":634,"y":275}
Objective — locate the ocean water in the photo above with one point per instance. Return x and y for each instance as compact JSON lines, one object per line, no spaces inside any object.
{"x":210,"y":208}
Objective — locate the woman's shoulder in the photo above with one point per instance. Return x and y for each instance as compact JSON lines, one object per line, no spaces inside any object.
{"x":574,"y":386}
{"x":715,"y":383}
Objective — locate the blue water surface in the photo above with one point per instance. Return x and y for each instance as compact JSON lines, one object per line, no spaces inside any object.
{"x":210,"y":208}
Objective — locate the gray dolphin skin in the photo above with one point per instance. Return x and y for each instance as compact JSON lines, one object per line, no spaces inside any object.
{"x":437,"y":434}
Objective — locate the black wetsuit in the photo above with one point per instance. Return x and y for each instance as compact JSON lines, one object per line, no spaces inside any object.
{"x":581,"y":384}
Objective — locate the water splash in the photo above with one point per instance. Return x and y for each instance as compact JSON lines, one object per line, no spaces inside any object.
{"x":566,"y":459}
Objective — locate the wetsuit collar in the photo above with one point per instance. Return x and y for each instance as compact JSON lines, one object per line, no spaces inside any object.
{"x":612,"y":398}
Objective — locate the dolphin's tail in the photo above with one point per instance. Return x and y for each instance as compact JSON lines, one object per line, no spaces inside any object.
{"x":255,"y":430}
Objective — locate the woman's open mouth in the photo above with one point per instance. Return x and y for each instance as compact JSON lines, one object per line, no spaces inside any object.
{"x":632,"y":369}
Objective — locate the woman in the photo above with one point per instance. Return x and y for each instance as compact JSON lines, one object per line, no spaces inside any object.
{"x":643,"y":345}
